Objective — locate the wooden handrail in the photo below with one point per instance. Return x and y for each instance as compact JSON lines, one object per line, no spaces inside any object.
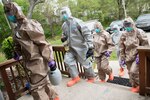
{"x":7,"y":82}
{"x":8,"y":63}
{"x":144,"y":70}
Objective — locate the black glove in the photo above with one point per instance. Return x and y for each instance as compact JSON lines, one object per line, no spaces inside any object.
{"x":63,"y":39}
{"x":89,"y":53}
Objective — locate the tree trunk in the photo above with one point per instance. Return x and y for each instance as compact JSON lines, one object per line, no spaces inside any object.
{"x":29,"y":16}
{"x":120,"y":9}
{"x":50,"y":21}
{"x":4,"y":1}
{"x":33,"y":3}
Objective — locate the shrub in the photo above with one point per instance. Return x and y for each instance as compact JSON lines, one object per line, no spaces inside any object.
{"x":7,"y":48}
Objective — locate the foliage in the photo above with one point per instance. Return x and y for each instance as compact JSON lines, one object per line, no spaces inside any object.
{"x":7,"y":48}
{"x":2,"y":57}
{"x":50,"y":17}
{"x":137,"y":7}
{"x":55,"y":40}
{"x":24,"y":5}
{"x":4,"y":28}
{"x":113,"y":55}
{"x":104,"y":10}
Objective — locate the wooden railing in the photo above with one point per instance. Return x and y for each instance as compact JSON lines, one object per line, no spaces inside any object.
{"x":59,"y":52}
{"x":14,"y":77}
{"x":144,"y":70}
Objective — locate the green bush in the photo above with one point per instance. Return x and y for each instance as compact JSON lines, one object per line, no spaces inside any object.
{"x":7,"y":48}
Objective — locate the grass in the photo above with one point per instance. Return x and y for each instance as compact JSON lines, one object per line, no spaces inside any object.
{"x":2,"y":57}
{"x":55,"y":41}
{"x":113,"y":56}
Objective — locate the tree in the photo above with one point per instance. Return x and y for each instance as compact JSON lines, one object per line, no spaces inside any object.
{"x":33,"y":3}
{"x":120,"y":9}
{"x":5,"y":27}
{"x":5,"y":23}
{"x":137,"y":7}
{"x":50,"y":12}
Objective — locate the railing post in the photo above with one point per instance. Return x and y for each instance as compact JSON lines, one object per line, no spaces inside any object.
{"x":7,"y":85}
{"x":144,"y":69}
{"x":142,"y":72}
{"x":148,"y":73}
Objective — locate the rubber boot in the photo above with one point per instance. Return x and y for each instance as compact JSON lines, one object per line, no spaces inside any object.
{"x":73,"y":81}
{"x":56,"y":98}
{"x":111,"y":77}
{"x":135,"y":89}
{"x":91,"y":80}
{"x":121,"y":72}
{"x":102,"y":81}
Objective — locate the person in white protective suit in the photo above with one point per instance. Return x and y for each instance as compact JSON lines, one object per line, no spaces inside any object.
{"x":37,"y":54}
{"x":116,"y":38}
{"x":130,"y":40}
{"x":79,"y":46}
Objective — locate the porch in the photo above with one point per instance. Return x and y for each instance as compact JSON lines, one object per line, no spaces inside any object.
{"x":15,"y":85}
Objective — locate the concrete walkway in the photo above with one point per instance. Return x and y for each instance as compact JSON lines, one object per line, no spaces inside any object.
{"x":94,"y":91}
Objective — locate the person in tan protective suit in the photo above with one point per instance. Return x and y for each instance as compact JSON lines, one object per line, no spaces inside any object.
{"x":129,"y":41}
{"x":103,"y":46}
{"x":37,"y":54}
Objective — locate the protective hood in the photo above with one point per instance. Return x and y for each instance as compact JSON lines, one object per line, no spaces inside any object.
{"x":99,"y":26}
{"x":12,"y":8}
{"x":116,"y":27}
{"x":129,"y":19}
{"x":65,"y":10}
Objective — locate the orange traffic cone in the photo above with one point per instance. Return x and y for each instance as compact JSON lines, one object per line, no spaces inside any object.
{"x":73,"y":81}
{"x":121,"y":72}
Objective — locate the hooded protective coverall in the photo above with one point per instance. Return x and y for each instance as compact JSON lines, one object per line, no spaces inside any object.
{"x":129,"y":42}
{"x":29,"y":42}
{"x":79,"y":40}
{"x":116,"y":39}
{"x":102,"y":43}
